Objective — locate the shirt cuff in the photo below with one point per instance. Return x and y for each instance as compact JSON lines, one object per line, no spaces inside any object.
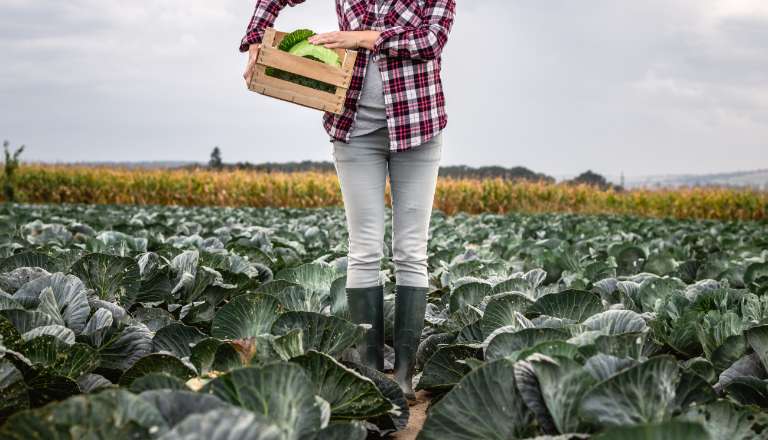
{"x":253,"y":37}
{"x":384,"y":36}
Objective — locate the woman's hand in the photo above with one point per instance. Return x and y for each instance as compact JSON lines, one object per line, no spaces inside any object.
{"x":253,"y":55}
{"x":346,"y":39}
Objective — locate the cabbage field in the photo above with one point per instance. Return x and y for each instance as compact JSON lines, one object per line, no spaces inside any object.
{"x":222,"y":323}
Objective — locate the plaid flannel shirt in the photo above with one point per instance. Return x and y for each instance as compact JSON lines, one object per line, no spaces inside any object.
{"x":410,"y":47}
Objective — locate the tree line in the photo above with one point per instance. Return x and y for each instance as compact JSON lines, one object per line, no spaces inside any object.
{"x":454,"y":171}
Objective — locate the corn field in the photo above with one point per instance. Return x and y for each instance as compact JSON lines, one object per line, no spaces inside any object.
{"x":99,"y":185}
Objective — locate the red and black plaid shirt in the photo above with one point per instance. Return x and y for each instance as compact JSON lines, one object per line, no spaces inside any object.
{"x":410,"y":47}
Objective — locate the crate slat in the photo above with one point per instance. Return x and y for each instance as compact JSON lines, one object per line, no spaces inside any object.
{"x":261,"y":78}
{"x":302,"y":66}
{"x":347,"y":65}
{"x":271,"y":36}
{"x":303,"y":100}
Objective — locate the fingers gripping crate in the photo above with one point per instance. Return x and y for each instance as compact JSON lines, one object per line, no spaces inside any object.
{"x":272,"y":57}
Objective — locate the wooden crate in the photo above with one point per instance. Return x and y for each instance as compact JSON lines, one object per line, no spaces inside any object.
{"x":271,"y":56}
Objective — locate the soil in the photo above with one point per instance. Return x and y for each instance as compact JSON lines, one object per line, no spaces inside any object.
{"x":418,"y":411}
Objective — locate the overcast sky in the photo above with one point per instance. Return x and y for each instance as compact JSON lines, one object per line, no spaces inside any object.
{"x":559,"y":86}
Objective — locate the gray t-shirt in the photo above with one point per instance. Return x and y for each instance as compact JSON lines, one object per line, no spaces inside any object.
{"x":371,"y":112}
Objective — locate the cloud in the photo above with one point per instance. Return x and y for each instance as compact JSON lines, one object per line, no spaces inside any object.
{"x":635,"y":86}
{"x":715,"y":73}
{"x":737,"y":8}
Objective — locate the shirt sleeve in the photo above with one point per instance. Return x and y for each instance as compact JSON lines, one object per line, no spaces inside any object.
{"x":423,"y":42}
{"x":264,"y":16}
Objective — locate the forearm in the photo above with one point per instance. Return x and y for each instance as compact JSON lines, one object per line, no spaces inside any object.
{"x":346,"y":39}
{"x":367,"y":39}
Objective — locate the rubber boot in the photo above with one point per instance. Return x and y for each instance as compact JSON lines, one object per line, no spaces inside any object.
{"x":366,"y":306}
{"x":410,"y":306}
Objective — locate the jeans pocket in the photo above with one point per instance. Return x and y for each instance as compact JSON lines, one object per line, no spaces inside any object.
{"x":433,"y":149}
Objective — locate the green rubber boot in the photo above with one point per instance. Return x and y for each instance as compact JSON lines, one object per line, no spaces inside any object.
{"x":410,"y":306}
{"x":366,"y":306}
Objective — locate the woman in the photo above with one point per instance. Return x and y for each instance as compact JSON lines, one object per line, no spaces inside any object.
{"x":391,"y":124}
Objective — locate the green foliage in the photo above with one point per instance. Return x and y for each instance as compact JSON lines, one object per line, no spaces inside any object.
{"x":166,"y":322}
{"x":216,"y":162}
{"x":295,"y":38}
{"x":11,"y":164}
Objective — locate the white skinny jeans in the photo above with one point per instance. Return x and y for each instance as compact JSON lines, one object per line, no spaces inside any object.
{"x":362,"y":167}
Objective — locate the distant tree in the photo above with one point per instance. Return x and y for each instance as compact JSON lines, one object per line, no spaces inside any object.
{"x":492,"y":172}
{"x":593,"y":179}
{"x":215,"y":162}
{"x":11,"y":164}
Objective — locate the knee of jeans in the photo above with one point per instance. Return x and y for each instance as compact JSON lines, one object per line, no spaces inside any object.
{"x":409,"y":247}
{"x":366,"y":259}
{"x":409,"y":261}
{"x":415,"y":209}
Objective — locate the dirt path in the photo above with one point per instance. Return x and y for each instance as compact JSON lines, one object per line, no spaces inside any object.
{"x":416,"y":421}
